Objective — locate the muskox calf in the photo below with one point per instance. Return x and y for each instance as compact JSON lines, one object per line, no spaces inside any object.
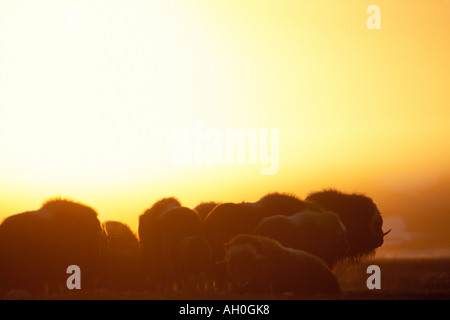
{"x":37,"y":247}
{"x":260,"y":265}
{"x":320,"y":233}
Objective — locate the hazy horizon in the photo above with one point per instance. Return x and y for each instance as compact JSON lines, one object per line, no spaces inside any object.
{"x":92,"y":93}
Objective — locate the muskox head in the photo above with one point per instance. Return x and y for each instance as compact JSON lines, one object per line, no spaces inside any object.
{"x":360,"y":216}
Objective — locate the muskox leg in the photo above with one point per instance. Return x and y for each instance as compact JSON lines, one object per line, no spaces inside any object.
{"x":220,"y":277}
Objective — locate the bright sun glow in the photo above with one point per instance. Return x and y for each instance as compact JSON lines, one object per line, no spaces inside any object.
{"x":91,"y":93}
{"x":98,"y":101}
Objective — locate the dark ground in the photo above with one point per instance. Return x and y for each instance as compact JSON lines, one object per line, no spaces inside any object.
{"x":401,"y":279}
{"x":424,"y":279}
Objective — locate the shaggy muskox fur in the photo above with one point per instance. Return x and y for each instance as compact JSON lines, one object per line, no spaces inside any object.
{"x":162,"y":229}
{"x":227,"y":220}
{"x":320,"y":233}
{"x":230,"y":219}
{"x":119,"y":263}
{"x":261,"y":265}
{"x":37,"y":247}
{"x":361,"y":217}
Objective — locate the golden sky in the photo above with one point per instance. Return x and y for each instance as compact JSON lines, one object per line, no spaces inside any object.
{"x":92,"y":92}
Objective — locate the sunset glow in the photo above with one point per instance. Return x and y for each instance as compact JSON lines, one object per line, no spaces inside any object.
{"x":91,"y":93}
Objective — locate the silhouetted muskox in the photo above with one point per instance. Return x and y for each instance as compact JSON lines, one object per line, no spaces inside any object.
{"x":230,"y":219}
{"x":194,"y":261}
{"x":119,"y":263}
{"x":320,"y":233}
{"x":161,"y":231}
{"x":204,"y":208}
{"x":37,"y":247}
{"x":260,"y":265}
{"x":150,"y":246}
{"x":360,"y":216}
{"x":227,"y":220}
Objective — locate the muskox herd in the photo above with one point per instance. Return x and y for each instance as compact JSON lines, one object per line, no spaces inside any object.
{"x":277,"y":244}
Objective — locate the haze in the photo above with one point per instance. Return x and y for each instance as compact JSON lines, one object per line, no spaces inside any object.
{"x":91,"y":93}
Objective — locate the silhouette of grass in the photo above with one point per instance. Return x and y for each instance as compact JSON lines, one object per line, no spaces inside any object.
{"x":401,"y":279}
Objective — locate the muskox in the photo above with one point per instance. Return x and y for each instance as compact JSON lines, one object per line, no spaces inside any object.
{"x":320,"y":233}
{"x":193,"y":260}
{"x":259,"y":264}
{"x":361,"y":218}
{"x":204,"y":208}
{"x":162,"y":229}
{"x":230,"y":219}
{"x":150,"y":234}
{"x":227,"y":220}
{"x":119,"y":263}
{"x":36,"y":247}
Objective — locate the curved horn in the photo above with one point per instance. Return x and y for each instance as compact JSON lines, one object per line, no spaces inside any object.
{"x":386,"y":233}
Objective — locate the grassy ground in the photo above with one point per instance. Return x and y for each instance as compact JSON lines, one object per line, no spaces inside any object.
{"x":400,"y":279}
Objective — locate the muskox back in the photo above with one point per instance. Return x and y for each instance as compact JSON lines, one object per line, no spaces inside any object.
{"x":227,"y":220}
{"x":360,"y":216}
{"x":320,"y":233}
{"x":230,"y":219}
{"x":282,"y":204}
{"x":178,"y":223}
{"x":37,"y":247}
{"x":260,"y":265}
{"x":78,"y":230}
{"x":204,"y":208}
